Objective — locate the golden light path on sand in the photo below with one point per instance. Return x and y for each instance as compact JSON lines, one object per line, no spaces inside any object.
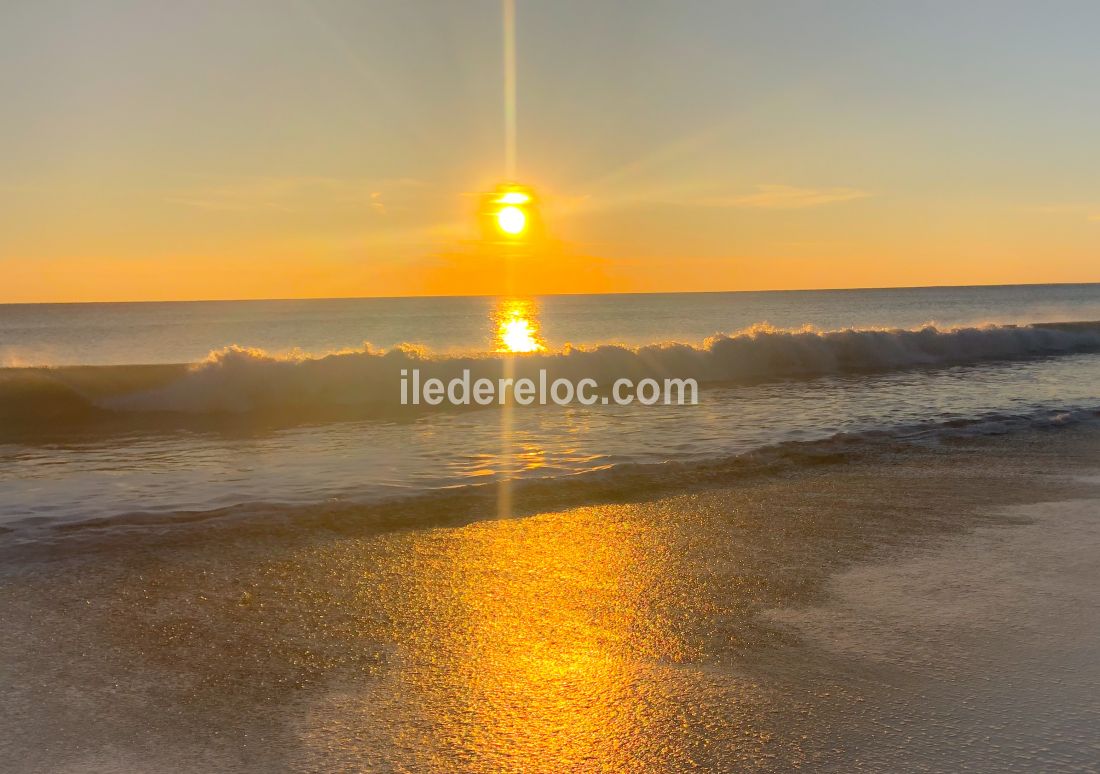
{"x":522,"y":645}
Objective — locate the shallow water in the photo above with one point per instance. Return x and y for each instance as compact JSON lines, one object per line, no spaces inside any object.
{"x":248,"y":427}
{"x":372,"y":461}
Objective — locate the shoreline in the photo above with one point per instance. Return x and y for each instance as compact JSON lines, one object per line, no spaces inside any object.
{"x":642,"y":635}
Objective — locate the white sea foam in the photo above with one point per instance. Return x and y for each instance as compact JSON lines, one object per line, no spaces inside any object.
{"x":237,"y":379}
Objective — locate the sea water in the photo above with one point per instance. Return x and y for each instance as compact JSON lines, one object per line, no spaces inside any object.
{"x":123,"y":411}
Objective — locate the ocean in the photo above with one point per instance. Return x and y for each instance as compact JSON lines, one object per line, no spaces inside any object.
{"x":154,"y":414}
{"x":226,"y":545}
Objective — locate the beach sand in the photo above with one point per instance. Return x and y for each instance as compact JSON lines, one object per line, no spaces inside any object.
{"x":926,"y":610}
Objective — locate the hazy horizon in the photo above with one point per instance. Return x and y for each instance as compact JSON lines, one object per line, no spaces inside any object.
{"x":498,"y":295}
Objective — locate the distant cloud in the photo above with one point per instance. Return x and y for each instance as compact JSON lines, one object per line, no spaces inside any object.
{"x":786,"y":197}
{"x":376,"y":202}
{"x":291,"y":194}
{"x":1089,"y":211}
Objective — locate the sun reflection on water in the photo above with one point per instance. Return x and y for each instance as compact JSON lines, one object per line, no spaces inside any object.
{"x":516,"y":326}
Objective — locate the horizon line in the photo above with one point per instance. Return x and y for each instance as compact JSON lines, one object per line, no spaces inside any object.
{"x":551,"y":295}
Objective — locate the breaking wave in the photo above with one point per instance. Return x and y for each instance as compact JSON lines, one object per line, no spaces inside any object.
{"x":242,"y":382}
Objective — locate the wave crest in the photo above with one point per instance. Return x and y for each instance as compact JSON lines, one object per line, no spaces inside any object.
{"x":366,"y":382}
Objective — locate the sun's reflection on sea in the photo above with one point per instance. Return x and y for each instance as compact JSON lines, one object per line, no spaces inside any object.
{"x":515,"y":331}
{"x":515,"y":326}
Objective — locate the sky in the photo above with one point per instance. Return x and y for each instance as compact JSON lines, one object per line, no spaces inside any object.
{"x":158,"y":150}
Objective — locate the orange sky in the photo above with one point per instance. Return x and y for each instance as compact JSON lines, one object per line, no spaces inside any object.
{"x":157,"y":151}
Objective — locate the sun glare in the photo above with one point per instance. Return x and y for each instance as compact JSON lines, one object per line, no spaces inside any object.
{"x":510,"y":211}
{"x":517,"y":326}
{"x":517,"y":335}
{"x":514,"y":197}
{"x":512,"y":220}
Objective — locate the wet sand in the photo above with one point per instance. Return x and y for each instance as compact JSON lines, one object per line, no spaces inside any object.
{"x":928,"y":610}
{"x":987,"y":644}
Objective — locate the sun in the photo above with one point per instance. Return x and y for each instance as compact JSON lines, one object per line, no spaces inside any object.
{"x":512,"y":220}
{"x":510,"y":211}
